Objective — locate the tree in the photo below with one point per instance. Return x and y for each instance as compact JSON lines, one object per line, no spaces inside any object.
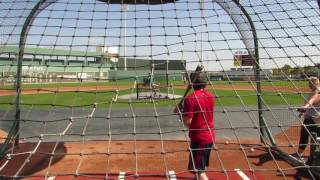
{"x":276,"y":72}
{"x":296,"y":71}
{"x":310,"y":71}
{"x":286,"y":69}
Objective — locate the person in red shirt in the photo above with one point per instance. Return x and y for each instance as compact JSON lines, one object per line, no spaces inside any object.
{"x":198,"y":116}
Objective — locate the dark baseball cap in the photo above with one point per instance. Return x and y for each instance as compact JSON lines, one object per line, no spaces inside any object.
{"x":199,"y":77}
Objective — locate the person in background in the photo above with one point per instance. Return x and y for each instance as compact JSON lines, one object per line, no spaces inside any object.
{"x":310,"y":110}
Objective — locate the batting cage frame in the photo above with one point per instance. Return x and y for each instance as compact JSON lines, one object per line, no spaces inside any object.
{"x":107,"y":65}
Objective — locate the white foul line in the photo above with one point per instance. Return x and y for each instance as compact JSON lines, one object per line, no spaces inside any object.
{"x":51,"y":178}
{"x":242,"y":175}
{"x":172,"y":175}
{"x":122,"y":175}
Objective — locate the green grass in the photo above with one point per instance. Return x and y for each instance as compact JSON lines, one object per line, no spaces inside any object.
{"x":70,"y":84}
{"x":301,"y":83}
{"x":224,"y":97}
{"x":70,"y":99}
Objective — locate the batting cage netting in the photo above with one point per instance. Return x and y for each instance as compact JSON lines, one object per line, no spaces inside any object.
{"x":88,"y":88}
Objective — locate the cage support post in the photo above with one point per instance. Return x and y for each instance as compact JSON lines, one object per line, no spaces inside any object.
{"x":22,"y":41}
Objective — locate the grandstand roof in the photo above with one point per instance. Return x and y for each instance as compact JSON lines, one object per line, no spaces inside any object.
{"x":50,"y":52}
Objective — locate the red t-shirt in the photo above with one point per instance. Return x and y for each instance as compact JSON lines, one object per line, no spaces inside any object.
{"x":199,"y":106}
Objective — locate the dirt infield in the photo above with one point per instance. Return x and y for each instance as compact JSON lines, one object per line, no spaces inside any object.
{"x":77,"y":159}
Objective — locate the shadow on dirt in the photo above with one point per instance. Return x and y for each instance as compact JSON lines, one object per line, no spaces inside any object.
{"x":24,"y":162}
{"x":297,"y":173}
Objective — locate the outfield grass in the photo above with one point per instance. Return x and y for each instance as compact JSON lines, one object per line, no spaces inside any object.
{"x":301,"y":83}
{"x":69,"y":84}
{"x":297,"y":83}
{"x":103,"y":99}
{"x":74,"y":99}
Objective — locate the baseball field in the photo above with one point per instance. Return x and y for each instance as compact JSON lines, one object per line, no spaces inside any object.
{"x":91,"y":146}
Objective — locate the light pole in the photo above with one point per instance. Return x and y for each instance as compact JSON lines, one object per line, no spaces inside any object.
{"x":125,"y":9}
{"x":202,"y":21}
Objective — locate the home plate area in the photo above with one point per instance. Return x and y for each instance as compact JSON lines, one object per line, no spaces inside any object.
{"x":237,"y":174}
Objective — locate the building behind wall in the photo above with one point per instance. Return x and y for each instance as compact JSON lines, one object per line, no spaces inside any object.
{"x":42,"y":65}
{"x":147,"y":64}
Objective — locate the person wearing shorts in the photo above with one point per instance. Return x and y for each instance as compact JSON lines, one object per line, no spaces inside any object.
{"x":311,"y":112}
{"x":198,"y":116}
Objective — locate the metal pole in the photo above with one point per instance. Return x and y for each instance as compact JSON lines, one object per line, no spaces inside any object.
{"x":125,"y":8}
{"x":137,"y":91}
{"x":2,"y":77}
{"x":167,"y":78}
{"x":202,"y":16}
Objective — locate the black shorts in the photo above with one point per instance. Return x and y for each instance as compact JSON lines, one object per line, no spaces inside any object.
{"x":199,"y":156}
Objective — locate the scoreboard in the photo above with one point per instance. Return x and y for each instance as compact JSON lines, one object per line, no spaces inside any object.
{"x":243,"y":60}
